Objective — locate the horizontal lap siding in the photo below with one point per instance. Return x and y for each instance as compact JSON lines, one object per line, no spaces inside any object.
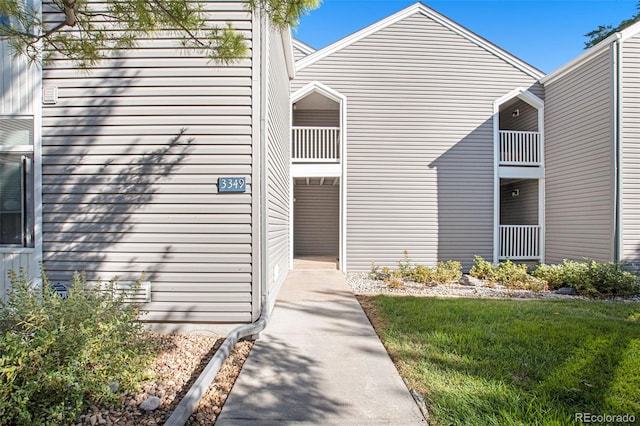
{"x":579,"y":163}
{"x":419,"y":141}
{"x":278,"y":155}
{"x":298,"y":53}
{"x":521,"y":209}
{"x":631,"y":151}
{"x":316,"y":219}
{"x":132,"y":153}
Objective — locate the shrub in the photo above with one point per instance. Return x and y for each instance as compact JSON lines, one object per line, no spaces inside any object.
{"x":395,"y":282}
{"x":57,"y":356}
{"x":609,"y":280}
{"x":482,"y":269}
{"x":590,"y":278}
{"x":446,"y":272}
{"x":421,"y":274}
{"x":405,"y":269}
{"x":507,"y":273}
{"x":511,"y":275}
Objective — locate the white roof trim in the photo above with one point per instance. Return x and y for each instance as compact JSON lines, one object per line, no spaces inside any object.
{"x":523,"y":94}
{"x":316,"y":86}
{"x":287,"y":45}
{"x":592,"y":52}
{"x":581,"y":59}
{"x":430,"y":13}
{"x":303,"y":47}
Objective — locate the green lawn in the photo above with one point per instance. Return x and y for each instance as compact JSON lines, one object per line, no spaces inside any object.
{"x":510,"y":362}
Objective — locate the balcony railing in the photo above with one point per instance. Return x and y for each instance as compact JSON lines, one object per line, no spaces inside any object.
{"x":520,"y":148}
{"x":520,"y":242}
{"x":315,"y":144}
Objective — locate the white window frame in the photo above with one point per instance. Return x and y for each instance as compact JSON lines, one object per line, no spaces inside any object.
{"x":28,"y":219}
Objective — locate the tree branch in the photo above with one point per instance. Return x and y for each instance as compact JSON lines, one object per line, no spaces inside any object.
{"x":178,"y":23}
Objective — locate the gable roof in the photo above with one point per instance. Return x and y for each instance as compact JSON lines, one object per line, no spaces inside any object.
{"x":302,"y":47}
{"x":435,"y":16}
{"x":592,"y":52}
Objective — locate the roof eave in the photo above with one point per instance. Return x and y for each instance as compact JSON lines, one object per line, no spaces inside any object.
{"x":592,"y":52}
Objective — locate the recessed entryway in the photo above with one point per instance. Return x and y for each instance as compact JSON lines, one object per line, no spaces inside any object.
{"x":316,"y":218}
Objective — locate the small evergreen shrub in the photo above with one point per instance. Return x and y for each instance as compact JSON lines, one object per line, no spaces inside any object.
{"x":58,"y":356}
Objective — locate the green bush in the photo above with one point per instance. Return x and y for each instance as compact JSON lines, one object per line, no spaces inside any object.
{"x":421,"y":274}
{"x":609,"y":280}
{"x":58,"y":356}
{"x":590,"y":278}
{"x":482,"y":269}
{"x":446,"y":272}
{"x":405,"y":269}
{"x":511,"y":275}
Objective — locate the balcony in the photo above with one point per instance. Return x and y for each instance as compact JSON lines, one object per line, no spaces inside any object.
{"x":520,"y":242}
{"x":315,"y":144}
{"x":520,"y":148}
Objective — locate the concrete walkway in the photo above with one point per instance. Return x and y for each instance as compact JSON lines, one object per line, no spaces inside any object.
{"x":319,"y":361}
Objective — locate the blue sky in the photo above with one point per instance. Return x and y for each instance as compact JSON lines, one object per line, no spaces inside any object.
{"x":544,"y":33}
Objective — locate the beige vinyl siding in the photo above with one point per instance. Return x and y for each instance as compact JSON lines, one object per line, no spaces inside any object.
{"x":297,"y":53}
{"x":316,"y":118}
{"x":419,"y":141}
{"x":630,"y":133}
{"x":300,"y":50}
{"x":579,"y":163}
{"x":527,"y":120}
{"x":317,"y":218}
{"x":278,"y":155}
{"x":523,"y":208}
{"x":132,"y":154}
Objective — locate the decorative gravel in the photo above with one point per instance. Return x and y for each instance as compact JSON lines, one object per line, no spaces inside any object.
{"x":361,"y":284}
{"x":179,"y":362}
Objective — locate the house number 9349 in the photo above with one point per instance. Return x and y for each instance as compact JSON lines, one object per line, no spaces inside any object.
{"x":232,"y":184}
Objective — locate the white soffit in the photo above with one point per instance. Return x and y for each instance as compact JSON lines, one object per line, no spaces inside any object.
{"x":435,"y":16}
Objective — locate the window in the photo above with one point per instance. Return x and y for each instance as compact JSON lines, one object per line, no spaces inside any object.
{"x":16,"y":182}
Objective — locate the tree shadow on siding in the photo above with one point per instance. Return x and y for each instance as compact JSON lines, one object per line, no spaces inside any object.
{"x":95,"y":182}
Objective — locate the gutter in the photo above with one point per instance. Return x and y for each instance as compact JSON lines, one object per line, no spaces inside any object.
{"x":187,"y":405}
{"x":617,"y":141}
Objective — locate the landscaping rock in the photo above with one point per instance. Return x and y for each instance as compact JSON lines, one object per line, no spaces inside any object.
{"x":150,"y":403}
{"x":566,"y":291}
{"x":382,"y":276}
{"x":113,"y":387}
{"x":361,"y":283}
{"x":472,"y":281}
{"x":179,"y":362}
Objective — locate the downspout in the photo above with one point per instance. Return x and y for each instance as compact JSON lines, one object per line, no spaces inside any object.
{"x":617,"y":157}
{"x":187,"y":405}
